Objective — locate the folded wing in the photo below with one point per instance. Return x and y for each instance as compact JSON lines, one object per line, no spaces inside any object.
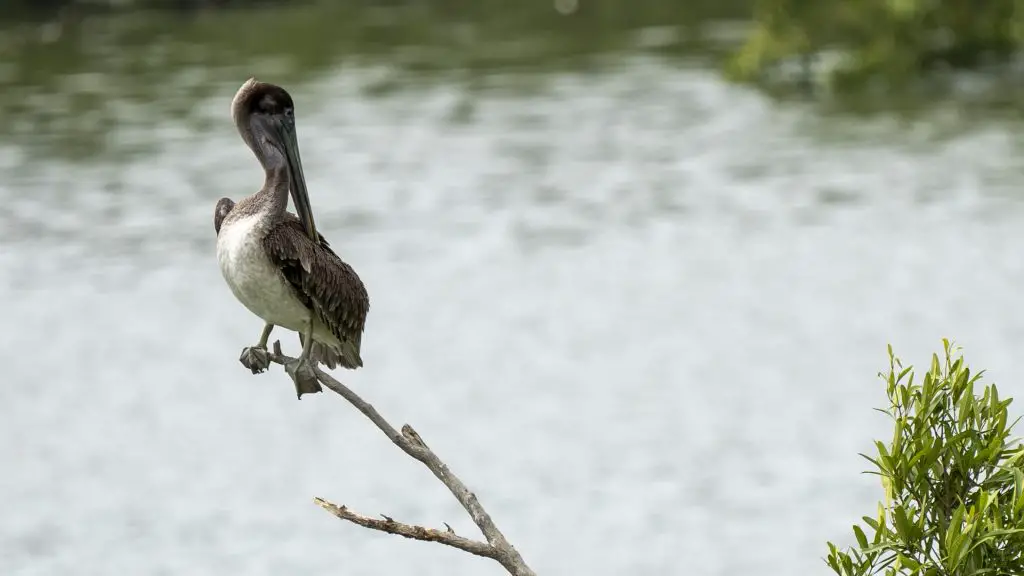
{"x":323,"y":283}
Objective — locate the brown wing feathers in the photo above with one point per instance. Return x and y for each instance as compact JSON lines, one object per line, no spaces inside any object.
{"x":323,"y":282}
{"x":224,"y":205}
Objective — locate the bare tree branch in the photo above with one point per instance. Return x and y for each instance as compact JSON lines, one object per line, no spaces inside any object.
{"x":496,"y":547}
{"x":410,"y":531}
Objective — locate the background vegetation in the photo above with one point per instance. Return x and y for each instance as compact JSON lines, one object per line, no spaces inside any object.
{"x":882,"y":44}
{"x":840,"y":47}
{"x":953,"y":480}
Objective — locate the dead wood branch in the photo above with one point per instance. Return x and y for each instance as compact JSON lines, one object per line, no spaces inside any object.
{"x":496,"y":547}
{"x":414,"y":532}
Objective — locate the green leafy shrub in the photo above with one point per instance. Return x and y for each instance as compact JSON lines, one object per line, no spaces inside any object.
{"x":890,"y":42}
{"x":953,"y":480}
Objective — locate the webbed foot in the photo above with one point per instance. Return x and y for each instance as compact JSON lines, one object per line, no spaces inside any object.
{"x":304,"y":377}
{"x":255,"y":358}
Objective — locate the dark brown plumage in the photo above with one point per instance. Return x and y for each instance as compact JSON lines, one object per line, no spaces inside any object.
{"x":323,"y":282}
{"x":224,"y":205}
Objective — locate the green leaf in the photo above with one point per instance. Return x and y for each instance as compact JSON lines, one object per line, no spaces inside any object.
{"x":955,"y":526}
{"x":847,"y":564}
{"x":1018,"y":489}
{"x":862,"y":540}
{"x":903,"y":373}
{"x":903,"y":527}
{"x":881,"y":468}
{"x":909,"y":562}
{"x":958,"y":552}
{"x":920,"y":454}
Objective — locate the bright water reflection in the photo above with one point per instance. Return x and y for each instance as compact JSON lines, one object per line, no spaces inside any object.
{"x":638,"y":309}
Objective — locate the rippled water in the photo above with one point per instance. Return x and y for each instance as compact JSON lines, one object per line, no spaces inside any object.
{"x":639,"y":310}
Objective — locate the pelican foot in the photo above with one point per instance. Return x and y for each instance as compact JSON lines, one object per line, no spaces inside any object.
{"x":302,"y":373}
{"x":255,"y":358}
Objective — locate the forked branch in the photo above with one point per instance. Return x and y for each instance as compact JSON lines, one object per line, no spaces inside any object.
{"x":496,"y":546}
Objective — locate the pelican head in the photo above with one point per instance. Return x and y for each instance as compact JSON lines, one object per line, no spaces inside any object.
{"x":265,"y":117}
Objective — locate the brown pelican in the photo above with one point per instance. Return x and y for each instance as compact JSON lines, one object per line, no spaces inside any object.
{"x":277,"y":264}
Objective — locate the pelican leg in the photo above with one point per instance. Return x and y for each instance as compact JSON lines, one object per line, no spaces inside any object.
{"x":255,"y":358}
{"x":301,"y":369}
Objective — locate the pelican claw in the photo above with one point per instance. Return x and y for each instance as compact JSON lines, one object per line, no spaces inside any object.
{"x":302,"y":373}
{"x":255,"y":358}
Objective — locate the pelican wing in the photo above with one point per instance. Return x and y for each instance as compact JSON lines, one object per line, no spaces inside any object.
{"x":220,"y":212}
{"x":322,"y":281}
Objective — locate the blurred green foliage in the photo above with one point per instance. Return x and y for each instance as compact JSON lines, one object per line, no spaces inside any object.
{"x":891,"y":42}
{"x":953,"y":480}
